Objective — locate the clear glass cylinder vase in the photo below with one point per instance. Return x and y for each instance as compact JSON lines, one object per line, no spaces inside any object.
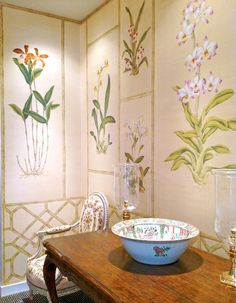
{"x":225,"y":221}
{"x":126,"y":186}
{"x":225,"y":199}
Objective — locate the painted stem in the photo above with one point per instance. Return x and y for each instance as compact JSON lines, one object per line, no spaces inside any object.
{"x":37,"y":134}
{"x":41,"y":150}
{"x":99,"y":142}
{"x":33,"y":133}
{"x":47,"y":148}
{"x":27,"y":145}
{"x":134,"y":63}
{"x":25,"y":171}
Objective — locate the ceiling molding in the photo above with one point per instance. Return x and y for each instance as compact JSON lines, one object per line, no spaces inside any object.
{"x":95,"y":11}
{"x":38,"y":12}
{"x":33,"y":11}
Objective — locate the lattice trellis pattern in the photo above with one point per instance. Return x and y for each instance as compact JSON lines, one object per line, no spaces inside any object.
{"x":21,"y":222}
{"x":211,"y":244}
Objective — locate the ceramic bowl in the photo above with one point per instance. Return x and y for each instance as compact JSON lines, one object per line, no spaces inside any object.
{"x":153,"y":240}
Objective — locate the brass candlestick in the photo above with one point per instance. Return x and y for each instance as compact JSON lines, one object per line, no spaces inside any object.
{"x":229,"y":278}
{"x":126,"y":213}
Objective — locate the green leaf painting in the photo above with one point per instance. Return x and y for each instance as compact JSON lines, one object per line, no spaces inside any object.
{"x":99,"y":113}
{"x":133,"y":52}
{"x":197,"y":154}
{"x":35,"y":113}
{"x":135,"y":133}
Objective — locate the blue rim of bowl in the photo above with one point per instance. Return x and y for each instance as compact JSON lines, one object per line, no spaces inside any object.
{"x":193,"y":231}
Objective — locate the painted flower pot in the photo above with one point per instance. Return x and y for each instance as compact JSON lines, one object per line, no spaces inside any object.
{"x":155,"y":241}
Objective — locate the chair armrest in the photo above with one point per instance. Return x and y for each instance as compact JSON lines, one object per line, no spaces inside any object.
{"x":54,"y":230}
{"x":50,"y":231}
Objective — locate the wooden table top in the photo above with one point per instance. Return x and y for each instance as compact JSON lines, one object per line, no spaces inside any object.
{"x":103,"y":270}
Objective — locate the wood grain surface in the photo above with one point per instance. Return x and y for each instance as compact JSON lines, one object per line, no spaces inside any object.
{"x":100,"y":266}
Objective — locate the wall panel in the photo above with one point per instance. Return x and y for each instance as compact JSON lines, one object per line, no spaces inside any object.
{"x":180,"y":194}
{"x":41,"y":133}
{"x":73,"y":110}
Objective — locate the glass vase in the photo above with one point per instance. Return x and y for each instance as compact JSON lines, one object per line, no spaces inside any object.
{"x":126,"y":188}
{"x":225,"y":221}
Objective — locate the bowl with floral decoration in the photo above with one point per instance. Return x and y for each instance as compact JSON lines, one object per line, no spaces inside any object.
{"x":155,"y":241}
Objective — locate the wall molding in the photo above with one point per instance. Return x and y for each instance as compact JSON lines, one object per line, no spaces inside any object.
{"x":33,"y":11}
{"x":44,"y":201}
{"x":2,"y":140}
{"x":104,"y":34}
{"x":95,"y":11}
{"x":102,"y":172}
{"x":63,"y":88}
{"x":11,"y":289}
{"x":138,"y":96}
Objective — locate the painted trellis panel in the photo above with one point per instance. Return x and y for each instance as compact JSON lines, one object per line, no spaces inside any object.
{"x":33,"y":113}
{"x":103,"y":102}
{"x":136,"y":47}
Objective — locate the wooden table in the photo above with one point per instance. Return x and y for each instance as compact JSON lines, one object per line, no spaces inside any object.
{"x":98,"y":264}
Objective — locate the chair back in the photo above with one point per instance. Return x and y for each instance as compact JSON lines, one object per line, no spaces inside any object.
{"x":94,"y":215}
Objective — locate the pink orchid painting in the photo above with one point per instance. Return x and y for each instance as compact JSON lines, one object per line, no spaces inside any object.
{"x":133,"y":53}
{"x":197,"y":154}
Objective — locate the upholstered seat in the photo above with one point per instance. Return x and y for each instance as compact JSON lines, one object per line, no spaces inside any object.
{"x":94,"y":216}
{"x":35,"y":275}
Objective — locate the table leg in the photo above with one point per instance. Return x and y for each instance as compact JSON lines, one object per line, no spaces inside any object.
{"x":49,"y":270}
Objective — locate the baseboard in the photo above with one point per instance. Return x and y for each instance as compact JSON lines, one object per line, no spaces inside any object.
{"x":6,"y":290}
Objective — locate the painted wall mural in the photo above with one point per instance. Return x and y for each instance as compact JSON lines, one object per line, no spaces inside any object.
{"x":136,"y":145}
{"x":103,"y":106}
{"x":133,"y":53}
{"x":100,"y":111}
{"x":135,"y":133}
{"x":198,"y":153}
{"x":38,"y":73}
{"x":35,"y":113}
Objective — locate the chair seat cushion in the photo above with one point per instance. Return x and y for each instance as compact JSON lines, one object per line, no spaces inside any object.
{"x":34,"y":275}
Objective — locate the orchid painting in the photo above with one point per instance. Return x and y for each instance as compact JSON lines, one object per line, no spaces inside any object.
{"x":100,"y":112}
{"x":197,"y":154}
{"x":35,"y":113}
{"x":133,"y":53}
{"x":135,"y":133}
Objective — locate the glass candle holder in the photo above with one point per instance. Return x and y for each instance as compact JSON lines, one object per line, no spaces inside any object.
{"x":225,"y":221}
{"x":126,"y":188}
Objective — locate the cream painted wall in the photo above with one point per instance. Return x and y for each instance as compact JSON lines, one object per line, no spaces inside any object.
{"x":51,"y":198}
{"x":177,"y":195}
{"x":79,"y":52}
{"x":131,"y":97}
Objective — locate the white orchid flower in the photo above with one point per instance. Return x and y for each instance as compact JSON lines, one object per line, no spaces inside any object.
{"x":201,"y":13}
{"x":198,"y":85}
{"x":193,"y":60}
{"x":185,"y":93}
{"x":212,"y":84}
{"x":186,"y":34}
{"x":209,"y":48}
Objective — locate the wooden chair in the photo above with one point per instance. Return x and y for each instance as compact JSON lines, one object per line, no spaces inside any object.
{"x":94,"y":216}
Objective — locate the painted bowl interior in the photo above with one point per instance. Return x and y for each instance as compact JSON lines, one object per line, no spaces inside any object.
{"x":155,"y":229}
